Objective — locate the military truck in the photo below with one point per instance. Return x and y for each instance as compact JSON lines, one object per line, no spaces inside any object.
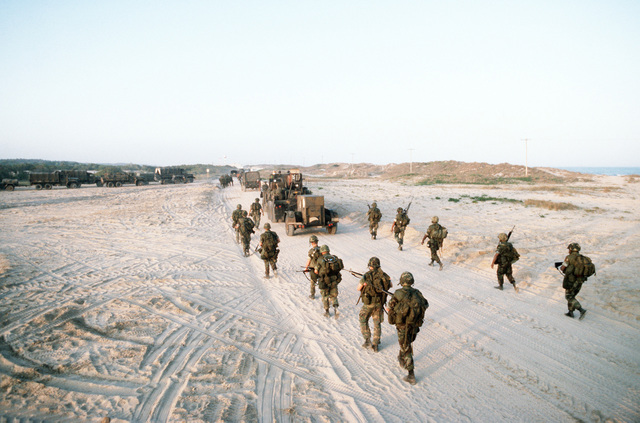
{"x":9,"y":184}
{"x":281,"y":193}
{"x":250,"y":180}
{"x":311,"y":213}
{"x":68,"y":178}
{"x":173,"y":175}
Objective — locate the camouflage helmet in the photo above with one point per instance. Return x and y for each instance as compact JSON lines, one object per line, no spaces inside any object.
{"x":406,"y":279}
{"x":244,"y":213}
{"x":434,"y":219}
{"x":574,"y":246}
{"x":324,"y":249}
{"x":239,"y":206}
{"x":313,"y":238}
{"x":374,"y":262}
{"x":400,"y":209}
{"x":267,"y":226}
{"x":502,"y":236}
{"x":257,"y":200}
{"x":374,"y":204}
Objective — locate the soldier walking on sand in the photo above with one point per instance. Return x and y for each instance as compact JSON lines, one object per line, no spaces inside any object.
{"x":269,"y":241}
{"x":235,"y":216}
{"x":373,"y":288}
{"x":505,"y":256}
{"x":436,"y":235}
{"x":312,"y":264}
{"x":328,"y":270}
{"x":374,"y":216}
{"x":399,"y":225}
{"x":245,"y":227}
{"x":406,"y":311}
{"x":256,"y":211}
{"x":573,"y":268}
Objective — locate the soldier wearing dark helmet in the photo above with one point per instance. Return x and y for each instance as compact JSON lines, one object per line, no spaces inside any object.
{"x":235,"y":216}
{"x":435,"y":240}
{"x":406,"y":311}
{"x":399,"y":225}
{"x":269,"y":241}
{"x":373,"y":288}
{"x":245,"y":227}
{"x":312,"y":263}
{"x":256,"y":212}
{"x":328,"y":270}
{"x":505,"y":256}
{"x":374,"y":216}
{"x":573,"y":280}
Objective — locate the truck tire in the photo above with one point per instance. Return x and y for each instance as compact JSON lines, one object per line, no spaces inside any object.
{"x":48,"y":186}
{"x":290,"y":230}
{"x":118,"y":184}
{"x":332,"y":229}
{"x":9,"y":187}
{"x":110,"y":185}
{"x":38,"y":187}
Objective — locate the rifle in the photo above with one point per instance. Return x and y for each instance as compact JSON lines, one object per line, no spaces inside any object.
{"x":558,"y":264}
{"x":407,"y":209}
{"x":510,"y":232}
{"x":354,"y":273}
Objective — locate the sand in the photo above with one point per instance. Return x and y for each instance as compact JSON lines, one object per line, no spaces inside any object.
{"x":136,"y":304}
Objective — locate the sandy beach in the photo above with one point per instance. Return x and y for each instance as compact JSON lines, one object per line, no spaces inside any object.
{"x":136,"y":304}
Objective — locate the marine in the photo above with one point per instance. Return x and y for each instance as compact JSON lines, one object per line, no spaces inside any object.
{"x":574,"y":277}
{"x":434,"y":233}
{"x":399,"y":225}
{"x":237,"y":214}
{"x":504,"y":257}
{"x":406,"y":311}
{"x":312,"y":264}
{"x":245,"y":227}
{"x":374,"y":287}
{"x":374,"y":216}
{"x":328,"y":270}
{"x":269,"y":251}
{"x":256,"y":212}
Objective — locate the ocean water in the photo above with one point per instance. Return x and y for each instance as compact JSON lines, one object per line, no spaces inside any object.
{"x":612,"y":171}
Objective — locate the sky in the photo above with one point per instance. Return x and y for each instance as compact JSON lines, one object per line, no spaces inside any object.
{"x":543,"y":83}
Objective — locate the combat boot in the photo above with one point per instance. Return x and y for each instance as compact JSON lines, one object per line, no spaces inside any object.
{"x":336,"y":312}
{"x":582,"y":313}
{"x":411,"y":378}
{"x":326,"y":312}
{"x":498,"y":287}
{"x":313,"y":297}
{"x":367,"y":344}
{"x":442,"y":266}
{"x":431,"y":264}
{"x":515,"y":287}
{"x":374,"y":236}
{"x":569,"y":313}
{"x":374,"y":347}
{"x":399,"y":247}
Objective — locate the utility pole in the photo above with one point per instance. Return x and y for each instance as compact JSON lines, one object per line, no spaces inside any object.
{"x":526,"y":157}
{"x":411,"y":160}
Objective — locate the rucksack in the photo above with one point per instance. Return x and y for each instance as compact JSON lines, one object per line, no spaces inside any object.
{"x":334,"y":264}
{"x":584,"y":267}
{"x":379,"y":283}
{"x":440,"y":233}
{"x":269,"y":241}
{"x":375,"y":214}
{"x":410,"y":310}
{"x":248,"y":226}
{"x":510,"y":255}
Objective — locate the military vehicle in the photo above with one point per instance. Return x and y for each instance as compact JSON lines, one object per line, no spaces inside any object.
{"x":9,"y":184}
{"x":250,"y":180}
{"x":68,"y":178}
{"x":281,"y":193}
{"x":310,"y":213}
{"x":117,"y":179}
{"x":173,"y":175}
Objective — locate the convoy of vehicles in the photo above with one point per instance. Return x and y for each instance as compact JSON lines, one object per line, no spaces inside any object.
{"x":249,"y":180}
{"x":68,"y":178}
{"x":310,"y":213}
{"x":173,"y":175}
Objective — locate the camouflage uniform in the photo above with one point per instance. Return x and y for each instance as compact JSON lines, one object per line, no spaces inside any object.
{"x":312,"y":263}
{"x":256,"y":211}
{"x":501,"y":258}
{"x":245,"y":227}
{"x":399,"y":226}
{"x":327,"y":283}
{"x":269,"y":251}
{"x":406,"y":332}
{"x":433,"y":243}
{"x":374,"y":216}
{"x":572,"y":283}
{"x":235,"y":216}
{"x":373,"y":303}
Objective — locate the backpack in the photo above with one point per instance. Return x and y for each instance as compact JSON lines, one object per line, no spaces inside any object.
{"x":440,"y":233}
{"x":584,"y":267}
{"x":269,"y":241}
{"x":410,"y":310}
{"x":375,"y":214}
{"x":334,"y":265}
{"x":510,"y":255}
{"x":379,"y":283}
{"x":248,"y":226}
